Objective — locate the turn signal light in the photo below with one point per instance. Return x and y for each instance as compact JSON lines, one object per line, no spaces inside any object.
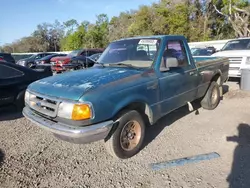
{"x":81,"y":112}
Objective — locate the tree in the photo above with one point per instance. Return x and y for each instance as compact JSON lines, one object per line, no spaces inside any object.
{"x":88,"y":35}
{"x":75,"y":40}
{"x":198,"y":20}
{"x":237,"y":13}
{"x":70,"y":26}
{"x":142,"y":22}
{"x":118,"y":26}
{"x":49,"y":35}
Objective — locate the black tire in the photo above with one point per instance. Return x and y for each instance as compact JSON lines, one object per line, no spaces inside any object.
{"x":114,"y":144}
{"x":19,"y":103}
{"x":29,"y":65}
{"x":212,"y":97}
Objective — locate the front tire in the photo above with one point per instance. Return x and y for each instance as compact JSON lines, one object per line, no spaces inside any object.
{"x":212,"y":97}
{"x":128,"y":138}
{"x":19,"y":103}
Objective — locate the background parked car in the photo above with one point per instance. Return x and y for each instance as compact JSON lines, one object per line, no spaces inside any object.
{"x":60,"y":64}
{"x":30,"y":61}
{"x":80,"y":62}
{"x":202,"y":52}
{"x":14,"y":80}
{"x":238,"y":52}
{"x":19,"y":56}
{"x":7,"y":57}
{"x":47,"y":59}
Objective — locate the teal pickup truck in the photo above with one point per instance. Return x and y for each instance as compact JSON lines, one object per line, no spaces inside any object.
{"x":135,"y":82}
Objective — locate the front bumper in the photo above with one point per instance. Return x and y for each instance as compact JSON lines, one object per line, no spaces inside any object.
{"x":78,"y":135}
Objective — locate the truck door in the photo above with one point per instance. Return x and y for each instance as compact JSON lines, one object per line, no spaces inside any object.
{"x":178,"y":85}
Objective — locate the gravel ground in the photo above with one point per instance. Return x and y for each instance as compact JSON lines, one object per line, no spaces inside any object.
{"x":31,"y":157}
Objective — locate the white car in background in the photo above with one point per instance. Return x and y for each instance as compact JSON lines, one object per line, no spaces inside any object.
{"x":238,"y":52}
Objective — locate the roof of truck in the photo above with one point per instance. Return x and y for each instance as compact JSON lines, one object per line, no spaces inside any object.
{"x":153,"y":36}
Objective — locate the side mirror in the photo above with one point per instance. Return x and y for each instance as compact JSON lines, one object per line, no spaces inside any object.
{"x":169,"y":62}
{"x":172,"y":62}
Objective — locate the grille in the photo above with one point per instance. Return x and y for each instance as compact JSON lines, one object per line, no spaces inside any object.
{"x":235,"y":63}
{"x":235,"y":60}
{"x":44,"y":105}
{"x":234,"y":68}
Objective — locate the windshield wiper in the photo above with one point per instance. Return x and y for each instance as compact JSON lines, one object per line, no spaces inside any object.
{"x":123,"y":64}
{"x":100,"y":63}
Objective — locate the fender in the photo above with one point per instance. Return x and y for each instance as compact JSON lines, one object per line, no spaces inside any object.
{"x":132,"y":100}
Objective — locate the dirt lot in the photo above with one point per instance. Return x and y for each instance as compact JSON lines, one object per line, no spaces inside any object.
{"x":31,"y":157}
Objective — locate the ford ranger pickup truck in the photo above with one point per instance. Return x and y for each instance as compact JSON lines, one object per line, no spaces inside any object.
{"x":135,"y":82}
{"x":238,"y":52}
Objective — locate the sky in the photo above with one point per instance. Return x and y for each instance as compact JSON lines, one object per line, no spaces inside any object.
{"x":19,"y":18}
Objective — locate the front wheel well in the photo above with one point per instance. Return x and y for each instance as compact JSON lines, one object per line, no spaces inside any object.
{"x":142,"y":108}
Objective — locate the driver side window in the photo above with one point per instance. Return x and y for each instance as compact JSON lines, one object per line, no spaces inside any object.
{"x":175,"y":49}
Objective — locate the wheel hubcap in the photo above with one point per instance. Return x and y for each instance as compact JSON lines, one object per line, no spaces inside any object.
{"x":130,"y":135}
{"x":214,"y":96}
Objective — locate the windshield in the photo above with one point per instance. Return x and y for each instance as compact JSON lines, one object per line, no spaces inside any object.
{"x":242,"y":44}
{"x":73,"y":53}
{"x":95,"y":56}
{"x":135,"y":52}
{"x":33,"y":56}
{"x":48,"y":57}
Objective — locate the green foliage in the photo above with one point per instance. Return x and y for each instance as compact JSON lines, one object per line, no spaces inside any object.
{"x":198,"y":20}
{"x":88,"y":35}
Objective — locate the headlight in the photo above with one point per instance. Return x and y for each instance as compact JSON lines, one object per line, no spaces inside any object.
{"x":27,"y":97}
{"x":248,"y":61}
{"x":75,"y":111}
{"x":21,"y":62}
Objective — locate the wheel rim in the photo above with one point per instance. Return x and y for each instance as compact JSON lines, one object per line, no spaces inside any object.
{"x":214,"y":96}
{"x":130,"y":135}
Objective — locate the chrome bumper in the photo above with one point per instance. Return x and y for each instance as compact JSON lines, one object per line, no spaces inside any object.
{"x":78,"y":135}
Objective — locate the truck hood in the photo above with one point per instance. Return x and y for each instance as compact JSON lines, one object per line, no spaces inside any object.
{"x":73,"y":85}
{"x":233,"y":53}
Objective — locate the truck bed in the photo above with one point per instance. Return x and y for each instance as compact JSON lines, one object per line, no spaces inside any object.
{"x":212,"y":65}
{"x":202,"y":61}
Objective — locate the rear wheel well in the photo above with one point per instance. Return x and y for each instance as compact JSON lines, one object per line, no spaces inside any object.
{"x":142,"y":108}
{"x":217,"y":78}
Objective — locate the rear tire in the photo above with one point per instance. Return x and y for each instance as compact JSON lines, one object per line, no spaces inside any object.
{"x":212,"y":97}
{"x":128,"y":137}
